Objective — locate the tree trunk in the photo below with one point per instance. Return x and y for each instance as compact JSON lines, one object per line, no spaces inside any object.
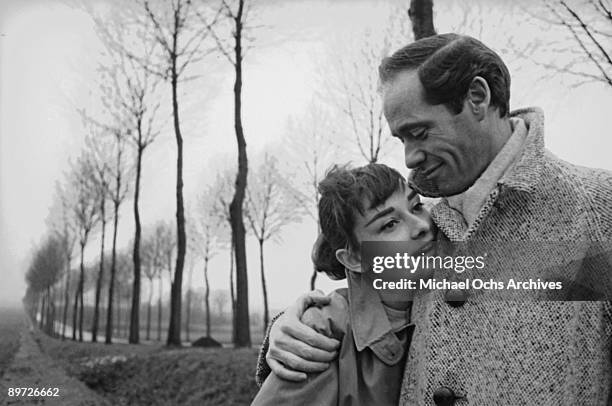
{"x":118,"y":307}
{"x":53,"y":330}
{"x":266,"y":315}
{"x":135,"y":314}
{"x":75,"y":311}
{"x":41,"y":320}
{"x":207,"y":296}
{"x":159,"y":308}
{"x":81,"y":289}
{"x":111,"y":285}
{"x":421,"y":17}
{"x":232,"y":293}
{"x":189,"y":293}
{"x":49,"y":320}
{"x":149,"y":309}
{"x":66,"y":300}
{"x":243,"y":333}
{"x":46,"y":312}
{"x":174,"y":328}
{"x":94,"y":328}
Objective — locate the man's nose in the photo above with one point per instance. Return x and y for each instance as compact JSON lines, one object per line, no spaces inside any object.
{"x":413,"y":156}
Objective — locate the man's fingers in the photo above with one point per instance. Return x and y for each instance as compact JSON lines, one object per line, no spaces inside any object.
{"x":313,"y":298}
{"x":296,"y":363}
{"x":284,"y":373}
{"x":302,"y":332}
{"x":317,"y":300}
{"x":305,"y":351}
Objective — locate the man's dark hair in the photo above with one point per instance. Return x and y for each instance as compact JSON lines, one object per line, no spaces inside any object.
{"x":446,"y":65}
{"x":344,"y":193}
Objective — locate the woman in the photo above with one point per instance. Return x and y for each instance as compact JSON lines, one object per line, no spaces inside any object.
{"x":370,"y":203}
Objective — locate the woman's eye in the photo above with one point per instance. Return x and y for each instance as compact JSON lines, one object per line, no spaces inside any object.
{"x":388,"y":225}
{"x":417,"y":207}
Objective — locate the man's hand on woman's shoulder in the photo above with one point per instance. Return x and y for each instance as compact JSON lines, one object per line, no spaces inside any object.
{"x":295,"y":348}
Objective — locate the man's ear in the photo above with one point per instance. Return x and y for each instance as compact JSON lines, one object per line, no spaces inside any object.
{"x":479,"y":97}
{"x":350,"y":261}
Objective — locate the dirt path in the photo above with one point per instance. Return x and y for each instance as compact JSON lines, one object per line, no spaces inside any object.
{"x":32,"y":369}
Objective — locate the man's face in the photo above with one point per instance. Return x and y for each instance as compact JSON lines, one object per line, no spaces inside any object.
{"x":446,"y":152}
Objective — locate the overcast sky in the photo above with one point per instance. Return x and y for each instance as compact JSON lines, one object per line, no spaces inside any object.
{"x":48,"y":58}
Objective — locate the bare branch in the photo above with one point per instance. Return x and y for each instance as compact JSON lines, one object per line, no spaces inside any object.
{"x":588,"y":32}
{"x":581,"y":43}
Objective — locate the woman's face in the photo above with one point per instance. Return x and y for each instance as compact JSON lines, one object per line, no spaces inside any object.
{"x":401,"y":217}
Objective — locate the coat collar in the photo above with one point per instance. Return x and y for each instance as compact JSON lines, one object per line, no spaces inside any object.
{"x":370,"y":323}
{"x":523,"y":176}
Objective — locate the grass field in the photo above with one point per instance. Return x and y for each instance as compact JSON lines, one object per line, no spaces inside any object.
{"x":145,"y":374}
{"x":11,"y":322}
{"x":153,"y":375}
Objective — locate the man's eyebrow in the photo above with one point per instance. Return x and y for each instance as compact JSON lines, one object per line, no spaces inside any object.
{"x":380,"y":214}
{"x":411,"y":195}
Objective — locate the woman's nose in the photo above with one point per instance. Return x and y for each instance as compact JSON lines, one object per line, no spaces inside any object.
{"x":420,"y":229}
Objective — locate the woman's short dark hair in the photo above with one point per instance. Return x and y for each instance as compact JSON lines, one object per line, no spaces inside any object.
{"x":446,"y":65}
{"x":344,"y":192}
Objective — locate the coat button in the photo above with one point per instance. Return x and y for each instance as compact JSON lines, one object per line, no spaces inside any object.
{"x":455,"y":297}
{"x":444,"y":396}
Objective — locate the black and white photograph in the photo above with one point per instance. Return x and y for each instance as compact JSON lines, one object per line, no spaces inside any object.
{"x":306,"y":202}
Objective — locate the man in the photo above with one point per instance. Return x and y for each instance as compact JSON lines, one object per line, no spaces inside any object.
{"x":446,"y":98}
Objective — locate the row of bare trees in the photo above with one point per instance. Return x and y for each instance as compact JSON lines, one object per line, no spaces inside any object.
{"x":150,"y":43}
{"x":153,"y":49}
{"x":270,"y":205}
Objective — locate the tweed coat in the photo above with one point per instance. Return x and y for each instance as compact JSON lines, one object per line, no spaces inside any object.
{"x":545,"y":219}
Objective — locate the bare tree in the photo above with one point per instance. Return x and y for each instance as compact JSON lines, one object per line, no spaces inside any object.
{"x":61,"y":225}
{"x":270,"y":207}
{"x":222,"y":190}
{"x":236,"y":13}
{"x":309,"y":153}
{"x":179,"y":35}
{"x":127,"y":117}
{"x":44,"y":271}
{"x":189,"y":294}
{"x":130,"y":81}
{"x":86,"y":215}
{"x":220,"y":299}
{"x":134,"y":88}
{"x":123,"y":277}
{"x":101,"y":178}
{"x":118,"y":190}
{"x":151,"y":268}
{"x":165,"y":243}
{"x":207,"y":228}
{"x":352,"y":87}
{"x":360,"y":102}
